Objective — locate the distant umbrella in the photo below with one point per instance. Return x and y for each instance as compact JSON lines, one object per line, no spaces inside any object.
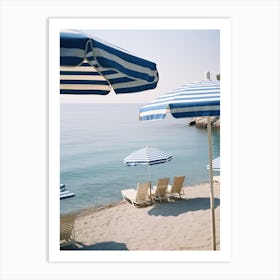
{"x":192,"y":100}
{"x":89,"y":66}
{"x":147,"y":156}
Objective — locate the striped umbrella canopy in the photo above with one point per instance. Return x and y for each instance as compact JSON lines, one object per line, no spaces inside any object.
{"x":192,"y":100}
{"x":215,"y":164}
{"x":196,"y":99}
{"x":147,"y":156}
{"x":89,"y":66}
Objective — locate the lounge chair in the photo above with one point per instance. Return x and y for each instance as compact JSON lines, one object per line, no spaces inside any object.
{"x":177,"y":186}
{"x":67,"y":233}
{"x":159,"y":191}
{"x":140,"y":196}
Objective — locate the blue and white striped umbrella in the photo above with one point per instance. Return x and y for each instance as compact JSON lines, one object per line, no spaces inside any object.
{"x":192,"y":100}
{"x":147,"y":156}
{"x":89,"y":66}
{"x":215,"y":164}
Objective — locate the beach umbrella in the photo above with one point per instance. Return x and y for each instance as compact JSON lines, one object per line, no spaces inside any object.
{"x":90,"y":66}
{"x":215,"y":164}
{"x":147,"y":156}
{"x":196,"y":99}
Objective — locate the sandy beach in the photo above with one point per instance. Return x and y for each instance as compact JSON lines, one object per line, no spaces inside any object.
{"x":180,"y":224}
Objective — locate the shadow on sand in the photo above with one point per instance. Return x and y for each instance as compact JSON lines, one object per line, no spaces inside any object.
{"x":180,"y":206}
{"x":111,"y":245}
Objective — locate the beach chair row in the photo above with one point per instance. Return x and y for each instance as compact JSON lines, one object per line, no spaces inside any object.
{"x":146,"y":194}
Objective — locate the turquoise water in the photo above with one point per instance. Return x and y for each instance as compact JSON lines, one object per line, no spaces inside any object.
{"x":95,"y":138}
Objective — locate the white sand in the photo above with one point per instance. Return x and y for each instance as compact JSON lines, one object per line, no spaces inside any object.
{"x":175,"y":225}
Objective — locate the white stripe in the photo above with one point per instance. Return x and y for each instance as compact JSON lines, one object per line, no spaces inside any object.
{"x":192,"y":94}
{"x":84,"y":87}
{"x":88,"y":68}
{"x":82,"y":77}
{"x":129,"y":84}
{"x":195,"y":109}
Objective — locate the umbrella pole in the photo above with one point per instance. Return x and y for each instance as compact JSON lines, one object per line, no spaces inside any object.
{"x":212,"y":206}
{"x":149,"y":180}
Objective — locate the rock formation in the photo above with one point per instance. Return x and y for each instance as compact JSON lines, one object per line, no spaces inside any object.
{"x":202,"y":122}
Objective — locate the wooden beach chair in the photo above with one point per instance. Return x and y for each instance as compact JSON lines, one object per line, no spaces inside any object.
{"x":138,"y":197}
{"x":67,"y":233}
{"x":159,"y":191}
{"x":177,"y":186}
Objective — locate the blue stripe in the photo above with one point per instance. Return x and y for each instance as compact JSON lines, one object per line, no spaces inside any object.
{"x":79,"y":73}
{"x":159,"y":161}
{"x":152,"y":117}
{"x":121,"y":80}
{"x":72,"y":40}
{"x":109,"y":72}
{"x":196,"y":114}
{"x":135,"y":163}
{"x":136,"y":89}
{"x":171,"y":105}
{"x":195,"y":103}
{"x":70,"y":60}
{"x":83,"y":82}
{"x":73,"y":91}
{"x":183,"y":104}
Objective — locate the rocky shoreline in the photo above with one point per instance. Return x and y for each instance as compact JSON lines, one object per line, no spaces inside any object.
{"x":201,"y":122}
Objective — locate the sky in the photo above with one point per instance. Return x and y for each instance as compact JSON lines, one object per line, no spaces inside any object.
{"x":182,"y":56}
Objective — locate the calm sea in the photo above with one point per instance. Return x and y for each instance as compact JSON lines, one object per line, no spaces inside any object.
{"x":95,"y":138}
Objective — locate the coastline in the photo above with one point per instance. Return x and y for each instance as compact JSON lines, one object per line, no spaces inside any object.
{"x":180,"y":224}
{"x":95,"y":171}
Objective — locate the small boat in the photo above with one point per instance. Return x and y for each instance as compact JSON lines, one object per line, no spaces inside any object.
{"x":65,"y":193}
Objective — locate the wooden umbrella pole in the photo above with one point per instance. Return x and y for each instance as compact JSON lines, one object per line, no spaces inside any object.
{"x":149,"y":180}
{"x":149,"y":173}
{"x":212,"y":206}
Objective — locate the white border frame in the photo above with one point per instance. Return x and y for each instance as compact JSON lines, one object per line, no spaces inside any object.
{"x":55,"y":25}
